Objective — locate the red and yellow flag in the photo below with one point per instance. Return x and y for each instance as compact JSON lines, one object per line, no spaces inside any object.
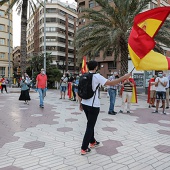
{"x":141,"y":40}
{"x":84,"y":66}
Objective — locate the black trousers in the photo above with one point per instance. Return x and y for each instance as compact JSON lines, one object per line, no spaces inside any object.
{"x":3,"y":87}
{"x":91,"y":115}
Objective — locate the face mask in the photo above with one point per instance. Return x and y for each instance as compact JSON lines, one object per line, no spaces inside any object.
{"x":64,"y":76}
{"x":22,"y":77}
{"x":43,"y":72}
{"x":160,"y":75}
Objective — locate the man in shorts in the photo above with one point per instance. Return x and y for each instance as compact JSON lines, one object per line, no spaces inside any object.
{"x":160,"y":83}
{"x":63,"y":86}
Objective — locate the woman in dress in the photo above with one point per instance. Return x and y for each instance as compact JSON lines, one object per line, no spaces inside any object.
{"x":24,"y":96}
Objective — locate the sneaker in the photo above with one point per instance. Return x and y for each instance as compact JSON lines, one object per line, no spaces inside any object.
{"x":149,"y":106}
{"x":120,"y":111}
{"x":164,"y":113}
{"x":95,"y":144}
{"x":128,"y":111}
{"x":42,"y":106}
{"x":84,"y":152}
{"x":153,"y":106}
{"x":155,"y":111}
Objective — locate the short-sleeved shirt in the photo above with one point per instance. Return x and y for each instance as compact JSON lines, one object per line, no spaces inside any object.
{"x":42,"y":79}
{"x":64,"y":81}
{"x":160,"y":87}
{"x":97,"y":79}
{"x":167,"y":86}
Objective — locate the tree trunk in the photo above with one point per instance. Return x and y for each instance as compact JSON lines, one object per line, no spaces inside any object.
{"x":124,"y":56}
{"x":23,"y":45}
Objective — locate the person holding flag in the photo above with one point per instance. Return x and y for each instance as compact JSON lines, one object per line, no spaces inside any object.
{"x":128,"y":94}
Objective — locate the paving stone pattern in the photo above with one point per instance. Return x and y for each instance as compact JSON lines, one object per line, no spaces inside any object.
{"x":32,"y":138}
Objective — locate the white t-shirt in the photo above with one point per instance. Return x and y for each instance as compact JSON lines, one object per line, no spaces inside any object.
{"x":97,"y":78}
{"x":160,"y":87}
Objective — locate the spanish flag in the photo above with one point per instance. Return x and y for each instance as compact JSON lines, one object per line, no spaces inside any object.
{"x":84,"y":66}
{"x":141,"y":40}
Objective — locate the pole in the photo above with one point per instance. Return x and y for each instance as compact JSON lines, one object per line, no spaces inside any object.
{"x":9,"y":49}
{"x":45,"y":35}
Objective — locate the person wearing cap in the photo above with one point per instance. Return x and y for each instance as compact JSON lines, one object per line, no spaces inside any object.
{"x":41,"y":85}
{"x":112,"y":90}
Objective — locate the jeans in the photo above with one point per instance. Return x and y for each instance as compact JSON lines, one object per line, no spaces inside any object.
{"x":112,"y":94}
{"x":91,"y":115}
{"x":41,"y":95}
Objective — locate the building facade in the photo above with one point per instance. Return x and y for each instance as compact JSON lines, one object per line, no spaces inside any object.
{"x":6,"y":43}
{"x":61,"y":23}
{"x":107,"y":66}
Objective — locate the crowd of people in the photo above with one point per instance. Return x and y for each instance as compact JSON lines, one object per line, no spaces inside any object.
{"x":158,"y":90}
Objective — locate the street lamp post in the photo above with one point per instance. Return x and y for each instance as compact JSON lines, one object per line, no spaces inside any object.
{"x":45,"y":35}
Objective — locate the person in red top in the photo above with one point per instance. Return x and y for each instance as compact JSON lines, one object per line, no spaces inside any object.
{"x":41,"y":85}
{"x":3,"y":84}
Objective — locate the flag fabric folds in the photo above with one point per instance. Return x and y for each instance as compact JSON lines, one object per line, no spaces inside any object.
{"x":84,"y":66}
{"x":141,"y":40}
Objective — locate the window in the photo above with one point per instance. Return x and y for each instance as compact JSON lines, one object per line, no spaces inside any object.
{"x":50,"y":39}
{"x":70,"y":16}
{"x":50,"y":19}
{"x":91,"y":4}
{"x":2,"y":27}
{"x":62,"y":13}
{"x":112,"y":65}
{"x":61,"y":40}
{"x":153,"y":5}
{"x":62,"y":49}
{"x":2,"y":41}
{"x":60,"y":30}
{"x":62,"y":22}
{"x":50,"y":29}
{"x":51,"y":10}
{"x":2,"y":55}
{"x":70,"y":25}
{"x":2,"y":71}
{"x":109,"y":53}
{"x":2,"y":13}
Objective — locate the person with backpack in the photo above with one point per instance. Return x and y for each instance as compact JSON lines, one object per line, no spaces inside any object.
{"x":90,"y":103}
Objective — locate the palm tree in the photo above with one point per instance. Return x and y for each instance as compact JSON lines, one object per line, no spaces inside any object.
{"x":22,"y":6}
{"x":109,"y":29}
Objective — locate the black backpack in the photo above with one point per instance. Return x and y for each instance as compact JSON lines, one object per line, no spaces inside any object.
{"x":85,"y":90}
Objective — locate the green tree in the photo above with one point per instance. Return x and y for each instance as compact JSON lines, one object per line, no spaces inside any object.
{"x":22,"y":7}
{"x":36,"y":64}
{"x":109,"y":28}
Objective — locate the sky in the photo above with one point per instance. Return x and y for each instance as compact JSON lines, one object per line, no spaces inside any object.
{"x":17,"y":25}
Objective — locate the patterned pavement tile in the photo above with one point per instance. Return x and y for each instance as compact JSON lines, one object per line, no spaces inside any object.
{"x":32,"y":138}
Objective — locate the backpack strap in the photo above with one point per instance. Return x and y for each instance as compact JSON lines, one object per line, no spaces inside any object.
{"x":95,"y":93}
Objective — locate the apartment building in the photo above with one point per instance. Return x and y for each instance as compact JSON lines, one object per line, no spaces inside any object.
{"x":61,"y":23}
{"x":107,"y":66}
{"x":6,"y":42}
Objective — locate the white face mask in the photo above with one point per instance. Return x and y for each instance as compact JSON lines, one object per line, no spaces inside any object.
{"x":43,"y":72}
{"x":22,"y":78}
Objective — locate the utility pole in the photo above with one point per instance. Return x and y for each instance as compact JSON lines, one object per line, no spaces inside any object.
{"x":45,"y":35}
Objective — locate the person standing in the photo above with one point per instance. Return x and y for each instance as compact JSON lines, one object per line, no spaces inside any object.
{"x":126,"y":95}
{"x":112,"y":90}
{"x":24,"y":91}
{"x":151,"y":92}
{"x":41,"y":85}
{"x":3,"y":84}
{"x":160,"y":83}
{"x":167,"y":92}
{"x":91,"y":106}
{"x":76,"y":83}
{"x":63,"y":86}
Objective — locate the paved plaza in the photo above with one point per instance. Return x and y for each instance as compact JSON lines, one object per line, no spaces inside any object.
{"x":32,"y":138}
